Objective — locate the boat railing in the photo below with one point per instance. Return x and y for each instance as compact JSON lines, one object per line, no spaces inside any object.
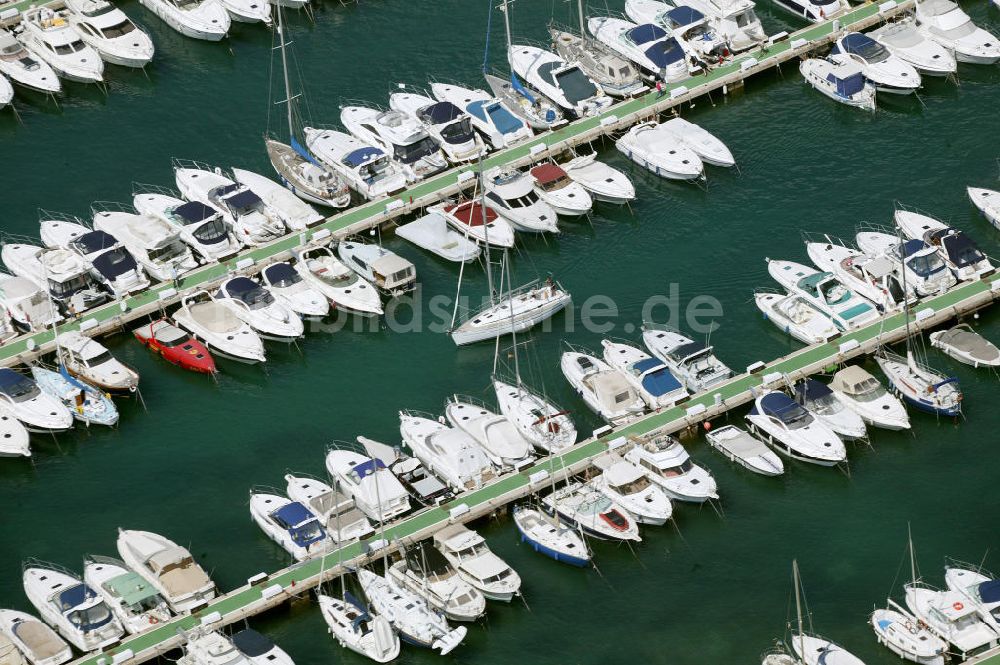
{"x":179,"y":163}
{"x":824,"y":238}
{"x":579,"y":348}
{"x":350,"y":446}
{"x":414,"y":413}
{"x":364,"y":103}
{"x":865,"y":226}
{"x":148,"y":188}
{"x":111,"y":206}
{"x":469,"y":399}
{"x":106,"y":560}
{"x":8,"y":237}
{"x":46,"y":215}
{"x":951,"y":562}
{"x":32,"y":562}
{"x":267,"y":489}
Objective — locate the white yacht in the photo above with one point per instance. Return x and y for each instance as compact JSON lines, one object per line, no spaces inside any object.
{"x":601,"y":181}
{"x":374,"y":488}
{"x":39,"y":643}
{"x":14,"y":438}
{"x":168,"y":567}
{"x":305,"y":177}
{"x":693,"y":363}
{"x":551,"y":536}
{"x":344,"y":521}
{"x":448,"y":453}
{"x":796,"y":316}
{"x":563,"y":82}
{"x":909,"y":44}
{"x":216,"y":325}
{"x":476,"y":222}
{"x":248,"y":11}
{"x":735,"y":20}
{"x":688,"y":25}
{"x":356,"y":628}
{"x":258,"y":308}
{"x":793,"y":431}
{"x":889,"y":73}
{"x":368,"y":170}
{"x":988,"y":202}
{"x":75,"y":610}
{"x":565,"y":195}
{"x":628,"y":486}
{"x":287,"y":286}
{"x":818,"y":399}
{"x":111,"y":33}
{"x":397,"y":135}
{"x":210,"y":647}
{"x":469,"y":554}
{"x":27,"y":303}
{"x":156,"y":245}
{"x":848,"y":310}
{"x":22,"y":399}
{"x":540,"y":112}
{"x":873,"y":277}
{"x":63,"y":274}
{"x":745,"y":449}
{"x":519,"y":310}
{"x":926,"y":272}
{"x":980,"y":589}
{"x":951,"y":617}
{"x":589,"y":511}
{"x":651,"y":147}
{"x":617,"y":76}
{"x":388,"y":271}
{"x":862,"y":393}
{"x":605,"y":390}
{"x":426,"y":572}
{"x":545,"y":425}
{"x":946,"y":23}
{"x":664,"y":460}
{"x":290,"y":524}
{"x":344,"y":288}
{"x":426,"y":488}
{"x":965,"y":345}
{"x":650,"y":377}
{"x":17,"y":64}
{"x":137,"y":605}
{"x":702,"y":142}
{"x":815,"y":11}
{"x":199,"y":225}
{"x":511,"y":194}
{"x":52,"y":38}
{"x":649,"y":46}
{"x":258,"y":648}
{"x":502,"y":442}
{"x":449,"y":126}
{"x":433,"y":233}
{"x":111,"y":264}
{"x":198,"y":19}
{"x":841,"y":80}
{"x":958,"y":251}
{"x":904,"y":635}
{"x":490,"y":116}
{"x":293,"y":212}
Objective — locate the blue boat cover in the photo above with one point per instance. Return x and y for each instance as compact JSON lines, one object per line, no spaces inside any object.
{"x":75,"y":596}
{"x":961,"y":250}
{"x":251,"y":643}
{"x":14,"y":384}
{"x":659,"y":381}
{"x":440,"y":113}
{"x":989,"y":592}
{"x":247,"y":290}
{"x":519,"y":88}
{"x":911,"y":247}
{"x":95,"y":241}
{"x":243,"y":200}
{"x":114,"y":263}
{"x":292,"y":514}
{"x":193,"y":212}
{"x":505,"y":121}
{"x":665,"y":53}
{"x":72,"y":381}
{"x":281,"y":274}
{"x":808,"y":390}
{"x":862,"y":46}
{"x":684,"y":15}
{"x":849,"y":86}
{"x":781,"y":407}
{"x":368,"y":467}
{"x":645,"y":33}
{"x":302,"y":152}
{"x":361,"y":156}
{"x":363,"y":614}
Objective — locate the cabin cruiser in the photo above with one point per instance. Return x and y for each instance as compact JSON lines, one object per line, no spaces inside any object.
{"x":433,"y":233}
{"x":651,"y":147}
{"x":629,"y":487}
{"x":66,"y":603}
{"x":88,"y":404}
{"x":594,"y":514}
{"x":988,"y":202}
{"x":490,"y":116}
{"x":39,"y":643}
{"x":738,"y":445}
{"x":17,"y":64}
{"x":606,"y":391}
{"x":520,"y":310}
{"x":551,"y":536}
{"x":38,"y":411}
{"x":563,"y":82}
{"x":796,"y":316}
{"x":966,"y":346}
{"x":818,"y":399}
{"x":825,"y":292}
{"x":347,"y":291}
{"x":735,"y":20}
{"x":111,"y":264}
{"x":248,"y":11}
{"x":888,"y":72}
{"x":293,"y":212}
{"x":111,"y":33}
{"x":703,"y":143}
{"x":422,"y":485}
{"x":290,"y":524}
{"x":906,"y":636}
{"x":957,"y":250}
{"x":555,"y":187}
{"x":27,"y":303}
{"x":545,"y":425}
{"x":303,"y":176}
{"x":910,"y":45}
{"x":950,"y":616}
{"x":449,"y":126}
{"x":258,"y":308}
{"x":498,"y":437}
{"x":388,"y":271}
{"x":469,"y":554}
{"x":649,"y":46}
{"x":14,"y":438}
{"x":693,"y":363}
{"x":617,"y":76}
{"x":357,"y":628}
{"x":424,"y":571}
{"x":198,"y":19}
{"x":946,"y":23}
{"x":686,"y":24}
{"x":841,"y":80}
{"x":215,"y":324}
{"x":540,"y":112}
{"x":862,"y":393}
{"x":91,"y":361}
{"x":368,"y":170}
{"x":199,"y":225}
{"x":154,"y":244}
{"x":511,"y":194}
{"x":397,"y":135}
{"x":375,"y":490}
{"x":137,"y":605}
{"x":210,"y":647}
{"x":871,"y":277}
{"x":447,"y":452}
{"x":287,"y":286}
{"x":814,"y":11}
{"x":252,"y":221}
{"x":650,"y":377}
{"x":926,"y":272}
{"x":793,"y":431}
{"x":338,"y":512}
{"x":664,"y":460}
{"x":52,"y":38}
{"x":601,"y":181}
{"x":919,"y":385}
{"x":168,"y":567}
{"x":62,"y":273}
{"x":477,"y":222}
{"x":980,"y":589}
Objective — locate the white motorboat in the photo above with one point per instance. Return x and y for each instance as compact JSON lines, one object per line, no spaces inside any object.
{"x":511,"y":194}
{"x":64,"y":274}
{"x":14,"y":439}
{"x":168,"y":567}
{"x":815,"y":11}
{"x":75,"y":610}
{"x":862,"y":393}
{"x":39,"y":643}
{"x":397,"y":135}
{"x":433,"y":233}
{"x":546,"y":426}
{"x":889,"y":73}
{"x":551,"y":536}
{"x":816,"y":650}
{"x":137,"y":605}
{"x":919,"y":385}
{"x":688,"y":25}
{"x":650,"y":377}
{"x":519,"y":310}
{"x":62,"y":231}
{"x":605,"y":390}
{"x":375,"y":490}
{"x":290,"y":524}
{"x":841,"y":80}
{"x":540,"y":112}
{"x":980,"y":589}
{"x":649,"y":46}
{"x":693,"y":363}
{"x":477,"y":222}
{"x":88,"y":404}
{"x":343,"y":287}
{"x":409,"y":614}
{"x":388,"y":271}
{"x":950,"y":616}
{"x":703,"y":143}
{"x":910,"y":45}
{"x":248,"y":11}
{"x":358,"y":629}
{"x":741,"y":447}
{"x":502,"y":442}
{"x":793,"y":431}
{"x":449,"y":126}
{"x":664,"y":460}
{"x":111,"y":33}
{"x":957,"y":250}
{"x":344,"y":521}
{"x":305,"y":177}
{"x":152,"y":242}
{"x":287,"y":286}
{"x":735,"y":20}
{"x":872,"y":277}
{"x":38,"y":411}
{"x":199,"y":225}
{"x":629,"y":487}
{"x":796,"y":316}
{"x":903,"y":634}
{"x":293,"y":212}
{"x":198,"y":19}
{"x":926,"y":272}
{"x":219,"y":328}
{"x":210,"y":647}
{"x":563,"y":82}
{"x":555,"y":187}
{"x":252,"y":221}
{"x":469,"y":554}
{"x":52,"y":38}
{"x":847,"y":310}
{"x":965,"y":345}
{"x":617,"y":76}
{"x":426,"y":572}
{"x":447,"y":452}
{"x":651,"y":147}
{"x":490,"y":115}
{"x":601,"y":181}
{"x":594,"y":514}
{"x":111,"y":264}
{"x":88,"y":359}
{"x":818,"y":399}
{"x":988,"y":202}
{"x":27,"y":303}
{"x":257,"y":307}
{"x":946,"y":23}
{"x":367,"y":170}
{"x":17,"y":64}
{"x":257,"y":648}
{"x":422,"y":485}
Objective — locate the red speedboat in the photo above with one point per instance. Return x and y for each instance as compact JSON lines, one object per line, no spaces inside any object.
{"x":176,"y":346}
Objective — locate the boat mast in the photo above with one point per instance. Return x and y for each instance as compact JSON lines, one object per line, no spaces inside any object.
{"x":506,"y":21}
{"x":284,"y":69}
{"x":798,"y":606}
{"x":340,"y":562}
{"x":913,"y":563}
{"x":583,"y":28}
{"x":486,"y":232}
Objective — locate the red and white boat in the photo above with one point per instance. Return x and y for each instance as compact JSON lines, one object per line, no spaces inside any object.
{"x":176,"y":346}
{"x":478,"y":224}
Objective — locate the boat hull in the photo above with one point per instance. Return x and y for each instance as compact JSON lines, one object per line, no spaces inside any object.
{"x":551,"y":553}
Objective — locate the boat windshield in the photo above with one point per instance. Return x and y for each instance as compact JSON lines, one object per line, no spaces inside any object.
{"x":212,"y":232}
{"x":91,"y":618}
{"x":67,"y":49}
{"x":866,"y":47}
{"x":119,"y":29}
{"x":171,"y":250}
{"x":458,"y":132}
{"x":961,"y":251}
{"x":19,"y":388}
{"x":575,"y":85}
{"x":868,"y":390}
{"x":526,"y":201}
{"x":63,"y":290}
{"x":959,"y":31}
{"x":471,"y":551}
{"x":826,"y":405}
{"x":593,"y":505}
{"x":926,"y":265}
{"x":409,"y":154}
{"x":633,"y":487}
{"x":99,"y":359}
{"x":308,"y":533}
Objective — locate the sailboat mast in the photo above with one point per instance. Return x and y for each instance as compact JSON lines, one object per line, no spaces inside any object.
{"x":510,"y":302}
{"x":486,"y":231}
{"x":798,"y":605}
{"x":506,"y":21}
{"x":340,"y":561}
{"x":913,"y":562}
{"x":284,"y":70}
{"x":583,"y":28}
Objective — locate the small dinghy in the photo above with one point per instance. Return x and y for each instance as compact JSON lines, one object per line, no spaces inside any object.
{"x":425,"y":572}
{"x":447,"y":452}
{"x":290,"y":524}
{"x":411,"y":473}
{"x":550,"y":536}
{"x":215,"y":324}
{"x":793,"y":431}
{"x":628,"y":486}
{"x":39,"y":643}
{"x":74,"y":609}
{"x":388,"y":271}
{"x":432,"y":232}
{"x":926,"y":272}
{"x":374,"y":488}
{"x":258,"y":308}
{"x":862,"y":393}
{"x":87,"y":404}
{"x":38,"y":411}
{"x":919,"y":385}
{"x":819,"y":400}
{"x":260,"y":649}
{"x":796,"y":316}
{"x":295,"y":213}
{"x":886,"y":71}
{"x":343,"y":287}
{"x":659,"y":151}
{"x":651,"y":378}
{"x":136,"y":604}
{"x":667,"y":463}
{"x":287,"y":286}
{"x":907,"y":637}
{"x":468,"y":552}
{"x":701,"y":141}
{"x":524,"y":308}
{"x":494,"y":119}
{"x":14,"y":438}
{"x":842,"y":81}
{"x":603,"y":182}
{"x":545,"y":425}
{"x":169,"y":567}
{"x":693,"y":363}
{"x":511,"y":194}
{"x":356,"y":628}
{"x":344,"y":521}
{"x":946,"y":23}
{"x":497,"y":436}
{"x":476,"y":222}
{"x":738,"y":445}
{"x":909,"y":44}
{"x":958,"y":251}
{"x":605,"y":390}
{"x":565,"y":195}
{"x":988,"y":202}
{"x":965,"y":345}
{"x":594,"y":514}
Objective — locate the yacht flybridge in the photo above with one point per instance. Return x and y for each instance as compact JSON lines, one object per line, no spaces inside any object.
{"x":110,"y":32}
{"x":449,"y":125}
{"x":154,"y":243}
{"x":399,"y":136}
{"x":511,"y":194}
{"x":649,"y":46}
{"x":374,"y":488}
{"x":52,"y":38}
{"x":563,"y":82}
{"x":367,"y":170}
{"x":17,"y":64}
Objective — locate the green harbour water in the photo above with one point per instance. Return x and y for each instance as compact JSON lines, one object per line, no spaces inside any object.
{"x":716,"y":587}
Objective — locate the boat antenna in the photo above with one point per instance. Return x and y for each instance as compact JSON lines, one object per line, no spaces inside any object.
{"x":798,"y":604}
